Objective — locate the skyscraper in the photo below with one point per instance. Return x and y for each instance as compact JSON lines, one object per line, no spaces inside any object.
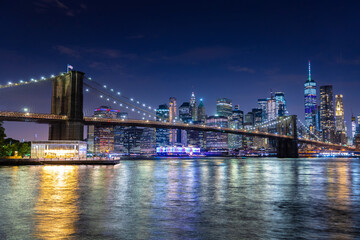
{"x":224,"y":107}
{"x":339,"y":119}
{"x":162,"y":134}
{"x":353,"y":126}
{"x":201,"y":112}
{"x":185,"y":112}
{"x":101,"y":139}
{"x":280,"y":104}
{"x":217,"y":143}
{"x":172,"y":118}
{"x":236,"y":121}
{"x":262,"y":104}
{"x":327,"y":120}
{"x":271,"y":108}
{"x":193,"y":107}
{"x":310,"y":102}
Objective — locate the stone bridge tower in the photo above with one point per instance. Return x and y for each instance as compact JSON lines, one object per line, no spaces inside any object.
{"x":287,"y":148}
{"x":67,"y":99}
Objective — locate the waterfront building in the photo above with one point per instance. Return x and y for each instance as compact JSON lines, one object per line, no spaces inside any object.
{"x":280,"y":104}
{"x":172,"y":118}
{"x":271,"y":109}
{"x":193,"y":108}
{"x":58,"y":149}
{"x":201,"y":112}
{"x":327,"y":120}
{"x":310,"y":102}
{"x":353,"y":127}
{"x":119,"y":134}
{"x":224,"y":107}
{"x":236,"y":121}
{"x":101,"y":139}
{"x":196,"y":138}
{"x":217,"y":143}
{"x":185,"y":113}
{"x":132,"y":140}
{"x":262,"y":104}
{"x":148,"y":141}
{"x":162,"y":134}
{"x":339,"y":119}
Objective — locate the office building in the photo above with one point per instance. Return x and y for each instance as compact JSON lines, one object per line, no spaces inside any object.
{"x":185,"y":113}
{"x":201,"y":112}
{"x":353,"y":126}
{"x":262,"y":104}
{"x":193,"y":108}
{"x":224,"y":107}
{"x":280,"y":104}
{"x":162,"y":134}
{"x":310,"y":102}
{"x":236,"y":121}
{"x":271,"y":109}
{"x":327,"y":120}
{"x":339,"y":120}
{"x":172,"y":118}
{"x":216,"y":142}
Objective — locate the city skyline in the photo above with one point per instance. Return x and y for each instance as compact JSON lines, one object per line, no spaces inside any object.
{"x":241,"y":57}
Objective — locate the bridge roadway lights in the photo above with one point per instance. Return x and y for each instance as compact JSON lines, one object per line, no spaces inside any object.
{"x":67,"y":99}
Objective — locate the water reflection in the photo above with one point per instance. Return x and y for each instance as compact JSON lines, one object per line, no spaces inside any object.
{"x":56,"y":207}
{"x":184,"y":199}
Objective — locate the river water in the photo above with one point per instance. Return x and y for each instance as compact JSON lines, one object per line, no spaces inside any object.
{"x":215,"y":198}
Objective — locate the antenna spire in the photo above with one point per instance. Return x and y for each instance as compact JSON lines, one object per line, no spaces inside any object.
{"x":309,"y":71}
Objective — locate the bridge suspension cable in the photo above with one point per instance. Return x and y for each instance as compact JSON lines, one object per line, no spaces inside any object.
{"x":22,"y":82}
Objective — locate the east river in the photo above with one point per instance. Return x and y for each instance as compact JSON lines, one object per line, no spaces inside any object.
{"x":183,"y":199}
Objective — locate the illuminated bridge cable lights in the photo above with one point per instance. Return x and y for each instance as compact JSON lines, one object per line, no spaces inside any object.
{"x":22,"y":82}
{"x":104,"y":86}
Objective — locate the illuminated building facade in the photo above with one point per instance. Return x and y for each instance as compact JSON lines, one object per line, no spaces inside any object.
{"x":119,"y":134}
{"x":217,"y":143}
{"x":196,"y":138}
{"x":132,"y":140}
{"x":58,"y":149}
{"x":262,"y":104}
{"x":201,"y":112}
{"x":172,"y":118}
{"x":271,"y":109}
{"x":101,"y":139}
{"x":339,"y":119}
{"x":185,"y":113}
{"x":193,"y":107}
{"x":310,"y":102}
{"x":353,"y":126}
{"x":224,"y":107}
{"x":280,"y":104}
{"x":327,"y":120}
{"x":236,"y":121}
{"x":162,"y":134}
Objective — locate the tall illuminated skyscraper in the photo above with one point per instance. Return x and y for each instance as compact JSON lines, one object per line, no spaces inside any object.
{"x":353,"y":126}
{"x":193,"y":107}
{"x":339,"y":119}
{"x":327,"y":120}
{"x":224,"y":107}
{"x":172,"y":118}
{"x":280,"y":104}
{"x":262,"y":104}
{"x":310,"y":101}
{"x":339,"y":113}
{"x":201,"y":112}
{"x":271,"y":108}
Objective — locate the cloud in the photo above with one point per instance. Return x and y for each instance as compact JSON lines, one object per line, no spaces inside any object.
{"x":241,"y":69}
{"x":110,"y":53}
{"x":49,"y":5}
{"x":353,"y":61}
{"x":67,"y":51}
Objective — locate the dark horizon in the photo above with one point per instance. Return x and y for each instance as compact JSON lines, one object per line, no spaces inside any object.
{"x":153,"y":51}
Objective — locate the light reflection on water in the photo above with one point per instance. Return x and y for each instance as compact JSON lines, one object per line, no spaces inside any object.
{"x":177,"y":199}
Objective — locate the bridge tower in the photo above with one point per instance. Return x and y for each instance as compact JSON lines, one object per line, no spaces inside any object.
{"x":287,"y":148}
{"x":67,"y":99}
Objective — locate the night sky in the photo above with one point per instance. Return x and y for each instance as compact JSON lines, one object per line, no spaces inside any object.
{"x":151,"y":50}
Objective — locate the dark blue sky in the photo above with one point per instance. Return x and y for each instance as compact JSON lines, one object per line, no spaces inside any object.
{"x":152,"y":50}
